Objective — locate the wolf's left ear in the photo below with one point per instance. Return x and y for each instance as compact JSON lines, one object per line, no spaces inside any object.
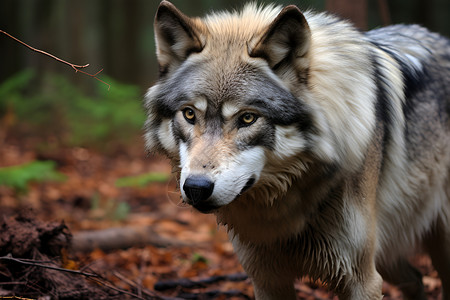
{"x":288,"y":37}
{"x":176,"y":35}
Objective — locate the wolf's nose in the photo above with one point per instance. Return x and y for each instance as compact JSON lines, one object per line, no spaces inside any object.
{"x":198,"y":188}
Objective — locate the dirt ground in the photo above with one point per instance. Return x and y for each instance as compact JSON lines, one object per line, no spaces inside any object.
{"x":87,"y":238}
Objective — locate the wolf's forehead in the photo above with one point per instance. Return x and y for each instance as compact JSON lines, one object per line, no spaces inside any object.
{"x":234,"y":30}
{"x":221,"y":79}
{"x":229,"y":109}
{"x":242,"y":25}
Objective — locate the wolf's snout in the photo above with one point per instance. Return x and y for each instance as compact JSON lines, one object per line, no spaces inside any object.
{"x":198,"y":189}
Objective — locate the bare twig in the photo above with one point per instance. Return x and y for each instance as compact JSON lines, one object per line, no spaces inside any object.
{"x":134,"y":285}
{"x":77,"y":68}
{"x":13,"y":283}
{"x":91,"y":276}
{"x":104,"y":283}
{"x":214,"y":294}
{"x":31,"y":263}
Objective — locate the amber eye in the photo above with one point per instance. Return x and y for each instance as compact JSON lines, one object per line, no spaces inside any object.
{"x":248,"y":119}
{"x":189,"y":115}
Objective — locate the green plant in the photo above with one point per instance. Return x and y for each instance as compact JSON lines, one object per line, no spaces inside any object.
{"x":49,"y":105}
{"x":199,"y":258}
{"x":14,"y":86}
{"x":18,"y":177}
{"x":142,"y":179}
{"x":112,"y":116}
{"x":121,"y":211}
{"x":111,"y":209}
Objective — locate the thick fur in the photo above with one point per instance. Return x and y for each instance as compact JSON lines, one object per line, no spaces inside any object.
{"x":324,"y":150}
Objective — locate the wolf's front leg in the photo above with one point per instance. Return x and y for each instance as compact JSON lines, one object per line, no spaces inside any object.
{"x":367,"y":287}
{"x":362,"y":285}
{"x":274,"y":292}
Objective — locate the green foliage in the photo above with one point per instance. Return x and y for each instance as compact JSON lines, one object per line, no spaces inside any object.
{"x":18,"y":177}
{"x":142,"y":180}
{"x":49,"y":105}
{"x":113,"y":116}
{"x":110,"y":209}
{"x":122,"y":210}
{"x":11,"y":88}
{"x":197,"y":257}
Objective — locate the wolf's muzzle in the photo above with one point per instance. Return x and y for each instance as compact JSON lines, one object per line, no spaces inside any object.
{"x":198,"y":189}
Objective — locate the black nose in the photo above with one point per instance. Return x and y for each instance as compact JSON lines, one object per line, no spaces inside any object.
{"x":198,"y":188}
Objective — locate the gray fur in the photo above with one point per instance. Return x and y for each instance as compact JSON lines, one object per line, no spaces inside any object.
{"x":343,"y":168}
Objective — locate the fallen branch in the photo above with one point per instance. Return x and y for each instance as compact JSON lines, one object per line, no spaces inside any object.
{"x":120,"y":238}
{"x":214,"y":294}
{"x":200,"y":283}
{"x":77,"y":68}
{"x":94,"y":277}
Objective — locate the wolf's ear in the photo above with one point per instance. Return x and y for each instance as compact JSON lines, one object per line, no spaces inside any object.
{"x":176,"y":36}
{"x":288,"y":37}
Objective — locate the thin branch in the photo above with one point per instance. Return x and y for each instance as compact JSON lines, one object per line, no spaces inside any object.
{"x":133,"y":284}
{"x":13,"y":283}
{"x":43,"y":52}
{"x":153,"y":296}
{"x":29,"y":263}
{"x":94,"y":277}
{"x":102,"y":282}
{"x":75,"y":67}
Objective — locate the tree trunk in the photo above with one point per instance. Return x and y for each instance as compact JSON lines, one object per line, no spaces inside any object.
{"x":353,"y":10}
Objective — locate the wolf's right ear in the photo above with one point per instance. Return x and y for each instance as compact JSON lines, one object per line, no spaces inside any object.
{"x":176,"y":35}
{"x":286,"y":39}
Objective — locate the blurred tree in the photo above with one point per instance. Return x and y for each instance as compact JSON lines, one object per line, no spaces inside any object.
{"x":385,"y":14}
{"x":117,"y":35}
{"x":354,"y":10}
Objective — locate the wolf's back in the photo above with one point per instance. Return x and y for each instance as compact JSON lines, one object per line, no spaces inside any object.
{"x":423,"y":56}
{"x":417,"y":131}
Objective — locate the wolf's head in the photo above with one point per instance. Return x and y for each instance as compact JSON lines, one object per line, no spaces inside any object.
{"x":232,"y":107}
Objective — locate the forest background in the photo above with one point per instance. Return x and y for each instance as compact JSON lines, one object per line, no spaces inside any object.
{"x":117,"y":36}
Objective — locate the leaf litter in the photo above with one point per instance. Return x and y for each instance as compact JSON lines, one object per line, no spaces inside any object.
{"x":192,"y":260}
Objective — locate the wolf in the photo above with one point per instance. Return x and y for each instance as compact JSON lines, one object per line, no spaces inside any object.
{"x":324,"y":150}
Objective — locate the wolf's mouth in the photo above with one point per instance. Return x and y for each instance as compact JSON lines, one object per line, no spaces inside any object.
{"x":248,"y":185}
{"x":205,"y":207}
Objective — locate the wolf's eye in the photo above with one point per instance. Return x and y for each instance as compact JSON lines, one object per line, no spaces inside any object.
{"x":247,"y":119}
{"x":189,"y":115}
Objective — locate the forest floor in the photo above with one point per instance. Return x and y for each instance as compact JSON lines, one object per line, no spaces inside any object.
{"x":74,"y":239}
